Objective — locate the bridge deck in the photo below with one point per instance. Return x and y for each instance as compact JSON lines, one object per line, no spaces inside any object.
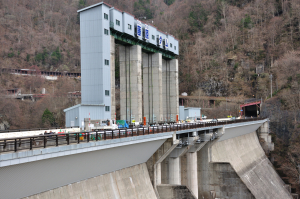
{"x":44,"y":141}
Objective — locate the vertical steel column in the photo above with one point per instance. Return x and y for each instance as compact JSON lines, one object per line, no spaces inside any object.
{"x":126,"y":80}
{"x":129,"y":88}
{"x":152,"y":88}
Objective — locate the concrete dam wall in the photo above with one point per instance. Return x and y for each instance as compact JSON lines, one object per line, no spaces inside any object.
{"x":246,"y":156}
{"x":162,"y":167}
{"x":129,"y":183}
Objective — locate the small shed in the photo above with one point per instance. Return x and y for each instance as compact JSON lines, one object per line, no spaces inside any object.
{"x":190,"y":112}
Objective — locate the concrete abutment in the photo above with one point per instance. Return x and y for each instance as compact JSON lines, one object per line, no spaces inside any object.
{"x":129,"y":183}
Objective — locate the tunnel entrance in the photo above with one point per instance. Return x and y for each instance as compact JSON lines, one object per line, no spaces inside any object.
{"x":251,"y":109}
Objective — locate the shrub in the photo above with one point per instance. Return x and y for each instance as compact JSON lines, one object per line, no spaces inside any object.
{"x":41,"y":56}
{"x":56,"y":56}
{"x":11,"y":54}
{"x":246,"y":22}
{"x":236,"y":65}
{"x":48,"y":117}
{"x":197,"y":18}
{"x":169,"y":2}
{"x":27,"y":57}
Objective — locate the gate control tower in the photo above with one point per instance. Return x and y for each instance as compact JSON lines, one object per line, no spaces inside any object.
{"x":148,"y":68}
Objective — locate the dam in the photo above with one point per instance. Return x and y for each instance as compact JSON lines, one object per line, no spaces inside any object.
{"x":158,"y":158}
{"x":204,"y":160}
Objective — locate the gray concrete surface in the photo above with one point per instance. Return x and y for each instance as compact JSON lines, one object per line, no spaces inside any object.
{"x":112,"y":78}
{"x":47,"y":174}
{"x":218,"y":180}
{"x":152,"y":87}
{"x":248,"y":159}
{"x":174,"y":89}
{"x":166,"y":89}
{"x":174,"y":171}
{"x":192,"y":178}
{"x":174,"y":192}
{"x":128,"y":183}
{"x":130,"y":83}
{"x":264,"y":131}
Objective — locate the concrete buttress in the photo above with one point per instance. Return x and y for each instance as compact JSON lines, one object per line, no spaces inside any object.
{"x":192,"y":177}
{"x":249,"y":161}
{"x":174,"y":171}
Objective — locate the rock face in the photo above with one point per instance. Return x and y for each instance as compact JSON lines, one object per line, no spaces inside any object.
{"x":4,"y":125}
{"x":214,"y":87}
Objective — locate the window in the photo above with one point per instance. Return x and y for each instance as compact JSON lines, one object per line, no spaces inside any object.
{"x":106,"y":92}
{"x":106,"y":108}
{"x":106,"y":31}
{"x":175,"y":47}
{"x":171,"y":45}
{"x":118,"y":22}
{"x":105,"y":16}
{"x":106,"y":62}
{"x":153,"y":37}
{"x":129,"y":26}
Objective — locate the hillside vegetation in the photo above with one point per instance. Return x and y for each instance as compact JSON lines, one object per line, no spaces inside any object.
{"x":228,"y":48}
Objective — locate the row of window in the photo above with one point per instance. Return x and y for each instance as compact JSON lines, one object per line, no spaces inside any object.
{"x":129,"y":27}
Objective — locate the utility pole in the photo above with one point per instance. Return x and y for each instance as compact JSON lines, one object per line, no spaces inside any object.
{"x":271,"y":76}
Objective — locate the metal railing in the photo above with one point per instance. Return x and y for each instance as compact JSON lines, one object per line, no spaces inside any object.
{"x":35,"y":129}
{"x":42,"y":141}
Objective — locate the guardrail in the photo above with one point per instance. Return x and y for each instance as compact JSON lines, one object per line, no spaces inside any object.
{"x":35,"y":129}
{"x":42,"y":141}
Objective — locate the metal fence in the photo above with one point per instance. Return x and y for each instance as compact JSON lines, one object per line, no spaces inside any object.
{"x":42,"y":141}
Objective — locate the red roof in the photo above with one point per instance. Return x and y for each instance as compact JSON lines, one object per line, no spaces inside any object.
{"x":250,"y":104}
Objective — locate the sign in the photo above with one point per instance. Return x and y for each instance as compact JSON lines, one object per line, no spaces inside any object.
{"x":160,"y":40}
{"x":146,"y":32}
{"x":139,"y":29}
{"x":166,"y":43}
{"x":242,"y":110}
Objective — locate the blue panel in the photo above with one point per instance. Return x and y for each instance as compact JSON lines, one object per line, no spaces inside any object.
{"x":139,"y":29}
{"x":160,"y":39}
{"x":166,"y":43}
{"x":146,"y":32}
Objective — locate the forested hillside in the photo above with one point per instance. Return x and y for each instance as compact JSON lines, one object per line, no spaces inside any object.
{"x":228,"y":48}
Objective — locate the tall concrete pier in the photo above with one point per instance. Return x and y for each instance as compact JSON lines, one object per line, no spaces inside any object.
{"x":170,"y":89}
{"x":112,"y":77}
{"x":152,"y":87}
{"x":131,"y":83}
